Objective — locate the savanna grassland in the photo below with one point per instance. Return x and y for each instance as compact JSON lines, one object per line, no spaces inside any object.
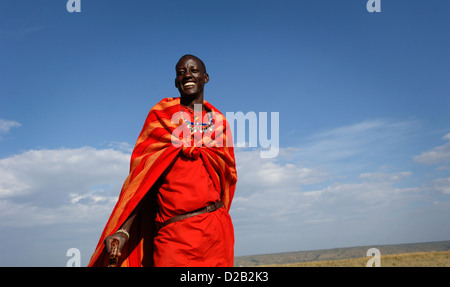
{"x":417,"y":259}
{"x":427,"y":254}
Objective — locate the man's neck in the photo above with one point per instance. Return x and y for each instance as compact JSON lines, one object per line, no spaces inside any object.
{"x":191,"y":101}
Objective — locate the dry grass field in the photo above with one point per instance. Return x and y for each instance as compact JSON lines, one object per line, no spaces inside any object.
{"x":433,"y":254}
{"x":416,"y":259}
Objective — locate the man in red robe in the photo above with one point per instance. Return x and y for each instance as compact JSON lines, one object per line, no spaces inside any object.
{"x":173,"y":206}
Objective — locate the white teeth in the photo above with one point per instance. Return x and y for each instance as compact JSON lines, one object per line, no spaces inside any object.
{"x":189,"y":84}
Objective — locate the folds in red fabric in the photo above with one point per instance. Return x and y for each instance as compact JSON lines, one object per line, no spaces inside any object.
{"x":156,"y":148}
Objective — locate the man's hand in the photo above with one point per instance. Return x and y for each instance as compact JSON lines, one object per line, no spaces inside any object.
{"x":121,"y":237}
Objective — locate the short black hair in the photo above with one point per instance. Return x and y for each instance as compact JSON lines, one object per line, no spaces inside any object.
{"x":192,"y":56}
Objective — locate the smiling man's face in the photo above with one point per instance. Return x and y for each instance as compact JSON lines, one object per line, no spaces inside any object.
{"x":191,"y":77}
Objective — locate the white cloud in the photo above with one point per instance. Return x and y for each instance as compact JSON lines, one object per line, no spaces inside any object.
{"x":256,"y":171}
{"x":290,"y":199}
{"x":364,"y":144}
{"x":56,"y":186}
{"x":384,"y":176}
{"x":121,"y":146}
{"x":437,"y":155}
{"x":350,"y":183}
{"x":6,"y":125}
{"x":441,"y":185}
{"x":285,"y":189}
{"x":53,"y":200}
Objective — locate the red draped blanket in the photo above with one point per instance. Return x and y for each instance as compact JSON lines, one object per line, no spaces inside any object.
{"x":162,"y":139}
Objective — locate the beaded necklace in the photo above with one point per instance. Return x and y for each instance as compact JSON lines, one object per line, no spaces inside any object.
{"x":198,"y":126}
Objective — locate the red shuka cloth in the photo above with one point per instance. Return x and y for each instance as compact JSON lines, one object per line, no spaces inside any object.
{"x":163,"y":155}
{"x":202,"y":240}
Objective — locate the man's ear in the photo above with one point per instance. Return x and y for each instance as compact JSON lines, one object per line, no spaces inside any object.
{"x":176,"y":83}
{"x":206,"y":78}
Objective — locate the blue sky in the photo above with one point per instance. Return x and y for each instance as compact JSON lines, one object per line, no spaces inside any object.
{"x":363,"y":102}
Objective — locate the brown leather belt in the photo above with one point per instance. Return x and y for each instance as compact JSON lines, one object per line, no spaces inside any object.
{"x":209,"y":208}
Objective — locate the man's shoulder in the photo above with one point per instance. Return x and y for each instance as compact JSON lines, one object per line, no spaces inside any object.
{"x":166,"y":103}
{"x":169,"y":100}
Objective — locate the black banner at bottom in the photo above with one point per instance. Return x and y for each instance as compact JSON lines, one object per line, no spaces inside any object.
{"x":236,"y":276}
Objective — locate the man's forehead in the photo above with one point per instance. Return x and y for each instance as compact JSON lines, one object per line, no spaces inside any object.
{"x":187,"y":58}
{"x":183,"y":60}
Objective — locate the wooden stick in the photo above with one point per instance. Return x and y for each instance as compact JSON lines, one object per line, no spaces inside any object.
{"x":114,"y":255}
